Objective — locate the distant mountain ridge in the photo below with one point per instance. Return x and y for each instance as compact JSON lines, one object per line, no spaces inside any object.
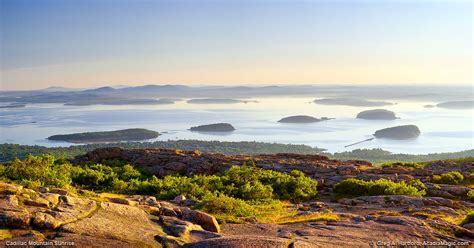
{"x":365,"y":95}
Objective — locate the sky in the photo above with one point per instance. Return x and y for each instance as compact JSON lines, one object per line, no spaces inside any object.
{"x":92,"y":43}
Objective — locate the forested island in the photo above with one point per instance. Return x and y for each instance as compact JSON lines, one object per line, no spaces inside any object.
{"x":302,"y":119}
{"x":217,"y":127}
{"x":134,"y":134}
{"x":398,"y":132}
{"x":377,"y":114}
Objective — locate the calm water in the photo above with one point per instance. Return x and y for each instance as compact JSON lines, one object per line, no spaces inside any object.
{"x":442,"y":130}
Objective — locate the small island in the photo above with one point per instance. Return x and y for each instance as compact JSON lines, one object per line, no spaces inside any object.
{"x":377,"y":114}
{"x":134,"y":134}
{"x":13,"y":106}
{"x":217,"y":127}
{"x":456,"y":105}
{"x":354,"y":102}
{"x":216,"y":101}
{"x":88,"y":102}
{"x":429,"y":106}
{"x":301,"y":119}
{"x":398,"y":132}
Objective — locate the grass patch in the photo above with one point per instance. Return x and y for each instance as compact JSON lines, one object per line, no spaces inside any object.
{"x":318,"y":216}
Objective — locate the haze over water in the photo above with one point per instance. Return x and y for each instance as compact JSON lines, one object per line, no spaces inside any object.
{"x":442,"y":130}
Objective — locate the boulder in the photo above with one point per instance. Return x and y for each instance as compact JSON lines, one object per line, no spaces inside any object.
{"x":123,"y":201}
{"x":45,"y":221}
{"x":38,"y":202}
{"x":177,"y":227}
{"x":469,"y":226}
{"x":9,"y":189}
{"x":207,"y":221}
{"x":51,"y":197}
{"x":178,"y":199}
{"x":59,"y":191}
{"x":120,"y":222}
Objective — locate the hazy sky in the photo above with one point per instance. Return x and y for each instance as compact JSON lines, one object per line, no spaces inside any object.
{"x":89,"y":43}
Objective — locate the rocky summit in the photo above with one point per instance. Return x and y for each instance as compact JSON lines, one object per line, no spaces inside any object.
{"x":90,"y":219}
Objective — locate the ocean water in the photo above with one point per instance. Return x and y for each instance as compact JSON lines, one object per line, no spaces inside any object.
{"x":443,"y":130}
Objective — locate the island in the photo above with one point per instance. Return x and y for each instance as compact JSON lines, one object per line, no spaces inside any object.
{"x":429,"y":106}
{"x":354,"y":102}
{"x":217,"y":127}
{"x":302,"y":119}
{"x":134,"y":134}
{"x":398,"y":132}
{"x":377,"y":114}
{"x":217,"y":101}
{"x":456,"y":105}
{"x":13,"y":106}
{"x":88,"y":102}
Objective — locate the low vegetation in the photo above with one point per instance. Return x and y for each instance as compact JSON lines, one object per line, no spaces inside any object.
{"x":405,"y":165}
{"x":356,"y":187}
{"x":241,"y":191}
{"x":452,"y":177}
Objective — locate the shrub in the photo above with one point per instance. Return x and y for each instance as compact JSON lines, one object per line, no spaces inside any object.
{"x":223,"y":204}
{"x":452,"y":177}
{"x":418,"y":184}
{"x":42,"y":170}
{"x":357,"y":187}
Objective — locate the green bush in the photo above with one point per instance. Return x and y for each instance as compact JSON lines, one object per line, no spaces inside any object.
{"x":452,"y":177}
{"x":357,"y":187}
{"x":407,"y":165}
{"x":38,"y":170}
